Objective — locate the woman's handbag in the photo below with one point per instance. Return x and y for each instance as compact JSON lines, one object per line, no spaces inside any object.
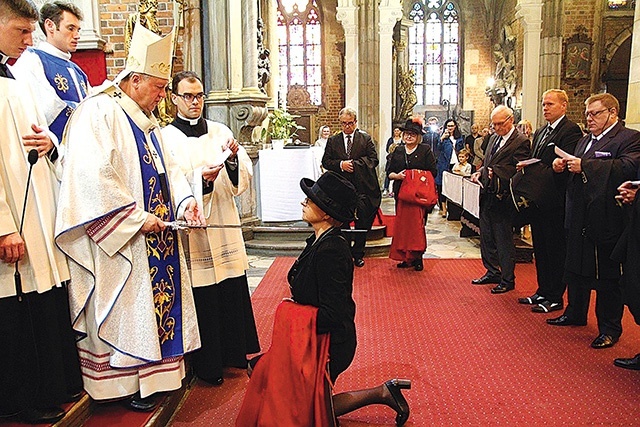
{"x":419,"y":188}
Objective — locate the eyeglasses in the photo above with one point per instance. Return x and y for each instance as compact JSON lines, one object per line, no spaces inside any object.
{"x":306,"y":201}
{"x":189,"y":97}
{"x":594,"y":114}
{"x":410,"y":134}
{"x":346,"y":124}
{"x":502,"y":122}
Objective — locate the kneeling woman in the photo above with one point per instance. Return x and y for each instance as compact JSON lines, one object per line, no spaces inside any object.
{"x":321,"y":279}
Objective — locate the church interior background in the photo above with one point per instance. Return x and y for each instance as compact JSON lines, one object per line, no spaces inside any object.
{"x":388,"y":59}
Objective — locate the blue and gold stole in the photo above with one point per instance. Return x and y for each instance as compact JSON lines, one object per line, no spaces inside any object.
{"x":162,"y":248}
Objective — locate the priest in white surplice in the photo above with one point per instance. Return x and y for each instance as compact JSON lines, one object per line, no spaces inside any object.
{"x":217,"y":256}
{"x":130,"y":291}
{"x":39,"y":368}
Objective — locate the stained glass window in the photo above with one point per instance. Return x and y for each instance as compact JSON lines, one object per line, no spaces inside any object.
{"x":621,"y":4}
{"x":434,"y":53}
{"x":300,"y":47}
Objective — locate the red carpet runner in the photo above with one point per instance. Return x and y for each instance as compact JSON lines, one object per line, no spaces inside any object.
{"x":474,"y":358}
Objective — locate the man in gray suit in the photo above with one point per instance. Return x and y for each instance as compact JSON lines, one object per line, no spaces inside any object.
{"x":505,"y":149}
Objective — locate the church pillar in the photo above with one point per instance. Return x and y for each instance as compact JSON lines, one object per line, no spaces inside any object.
{"x":230,"y":28}
{"x":530,"y":12}
{"x":347,"y":15}
{"x":550,"y":49}
{"x":633,"y":98}
{"x":250,"y":44}
{"x":90,"y":33}
{"x":390,"y":12}
{"x":192,"y":36}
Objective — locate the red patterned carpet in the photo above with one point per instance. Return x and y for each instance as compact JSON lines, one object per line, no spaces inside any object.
{"x":474,"y":358}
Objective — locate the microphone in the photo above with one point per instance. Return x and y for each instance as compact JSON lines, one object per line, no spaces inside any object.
{"x":32,"y":158}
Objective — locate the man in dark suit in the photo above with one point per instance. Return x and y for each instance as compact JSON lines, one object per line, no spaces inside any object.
{"x":352,"y":154}
{"x":547,"y":224}
{"x":606,"y":158}
{"x":506,"y":148}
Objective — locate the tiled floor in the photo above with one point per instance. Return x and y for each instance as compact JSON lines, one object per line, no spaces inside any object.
{"x":443,"y":241}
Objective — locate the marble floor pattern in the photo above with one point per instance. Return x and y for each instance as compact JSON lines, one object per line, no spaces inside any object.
{"x":443,"y":241}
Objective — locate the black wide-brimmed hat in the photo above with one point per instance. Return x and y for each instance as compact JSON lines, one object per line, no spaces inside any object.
{"x":413,"y":127}
{"x":333,"y":194}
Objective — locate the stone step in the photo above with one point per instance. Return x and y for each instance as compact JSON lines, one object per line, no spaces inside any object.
{"x":264,"y":247}
{"x":296,"y":232}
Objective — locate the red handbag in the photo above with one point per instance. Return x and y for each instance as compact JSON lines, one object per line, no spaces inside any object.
{"x":419,"y":188}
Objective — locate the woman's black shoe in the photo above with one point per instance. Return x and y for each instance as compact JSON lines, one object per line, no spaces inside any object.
{"x":417,"y":265}
{"x":42,"y":415}
{"x":401,"y":406}
{"x":403,"y":264}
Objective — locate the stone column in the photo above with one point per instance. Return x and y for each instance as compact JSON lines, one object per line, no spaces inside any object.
{"x":550,"y":49}
{"x":192,"y":48}
{"x":250,"y":46}
{"x":214,"y":28}
{"x":390,"y":11}
{"x":633,"y":98}
{"x":90,"y":37}
{"x":230,"y":66}
{"x":347,"y":15}
{"x":530,"y":12}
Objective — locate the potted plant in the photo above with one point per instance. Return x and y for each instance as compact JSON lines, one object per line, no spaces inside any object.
{"x":282,"y":127}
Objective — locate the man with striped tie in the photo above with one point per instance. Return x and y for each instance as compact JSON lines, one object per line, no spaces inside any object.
{"x":352,"y":154}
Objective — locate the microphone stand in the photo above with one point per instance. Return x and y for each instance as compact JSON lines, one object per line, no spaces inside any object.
{"x":32,"y":158}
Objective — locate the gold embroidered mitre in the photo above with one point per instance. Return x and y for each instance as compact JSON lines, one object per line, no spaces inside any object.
{"x":149,"y":53}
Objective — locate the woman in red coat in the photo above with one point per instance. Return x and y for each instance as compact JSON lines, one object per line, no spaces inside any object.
{"x":409,"y":237}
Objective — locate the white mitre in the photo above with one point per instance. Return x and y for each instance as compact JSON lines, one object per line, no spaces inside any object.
{"x":149,"y":54}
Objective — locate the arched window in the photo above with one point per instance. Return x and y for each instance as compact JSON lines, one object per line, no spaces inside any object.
{"x":621,"y":4}
{"x":434,"y":52}
{"x":300,"y":48}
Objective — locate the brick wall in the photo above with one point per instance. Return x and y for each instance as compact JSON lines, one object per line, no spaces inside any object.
{"x":333,"y":84}
{"x":478,"y":61}
{"x":113,"y":17}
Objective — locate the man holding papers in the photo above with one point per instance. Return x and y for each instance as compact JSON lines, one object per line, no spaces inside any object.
{"x":547,"y":222}
{"x":218,"y":169}
{"x":603,"y":160}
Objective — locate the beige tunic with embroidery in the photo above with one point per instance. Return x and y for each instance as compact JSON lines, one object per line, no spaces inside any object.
{"x":215,"y":254}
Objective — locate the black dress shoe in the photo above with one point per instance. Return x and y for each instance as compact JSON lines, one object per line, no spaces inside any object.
{"x":564,"y":321}
{"x":403,"y":264}
{"x":533,"y":299}
{"x":358,"y":262}
{"x":417,"y":265}
{"x":42,"y":415}
{"x":486,"y":280}
{"x":502,"y":288}
{"x":604,"y":341}
{"x":216,"y":381}
{"x":632,"y":363}
{"x":399,"y":403}
{"x":147,"y":404}
{"x":547,"y":307}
